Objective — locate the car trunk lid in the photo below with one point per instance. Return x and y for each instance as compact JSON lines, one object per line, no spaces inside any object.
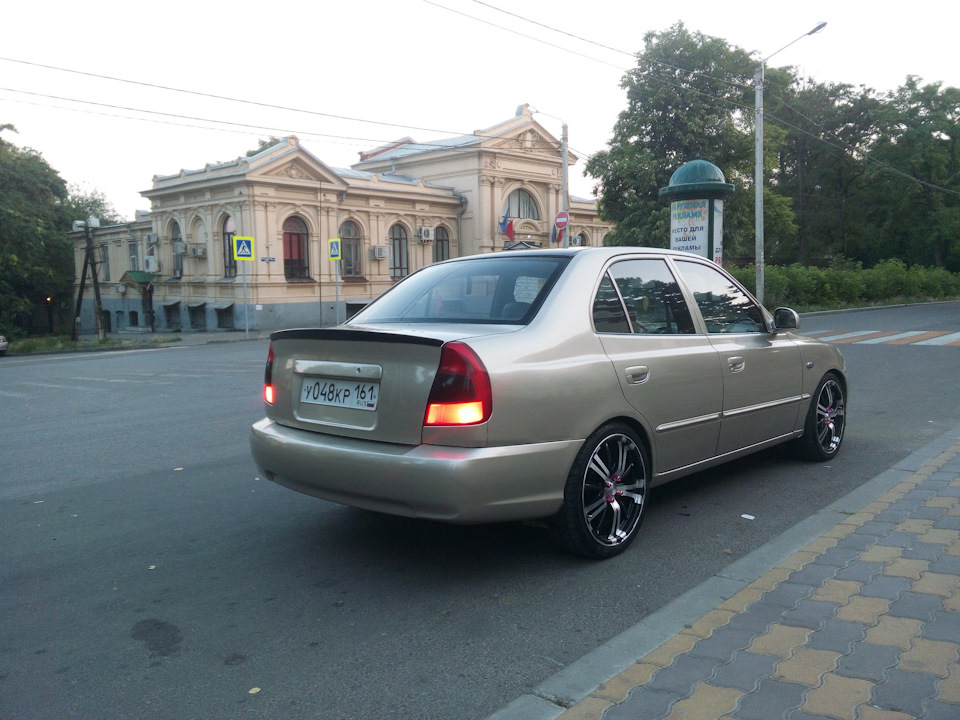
{"x":369,"y":383}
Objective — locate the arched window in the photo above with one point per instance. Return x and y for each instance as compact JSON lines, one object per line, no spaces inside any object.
{"x":228,"y":230}
{"x":441,"y":247}
{"x":350,"y":245}
{"x":178,"y":247}
{"x":399,"y":265}
{"x":295,"y":261}
{"x":521,"y":204}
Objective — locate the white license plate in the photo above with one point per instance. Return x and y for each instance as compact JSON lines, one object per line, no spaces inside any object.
{"x":340,"y":393}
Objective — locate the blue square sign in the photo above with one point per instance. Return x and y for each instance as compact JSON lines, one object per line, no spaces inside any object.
{"x":242,"y":248}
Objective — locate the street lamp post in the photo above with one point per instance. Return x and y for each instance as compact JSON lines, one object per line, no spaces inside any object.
{"x":758,"y":158}
{"x":565,"y":242}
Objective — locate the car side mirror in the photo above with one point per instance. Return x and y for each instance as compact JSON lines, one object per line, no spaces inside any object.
{"x":785,"y":319}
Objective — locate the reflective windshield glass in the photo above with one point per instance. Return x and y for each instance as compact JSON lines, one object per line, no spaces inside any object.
{"x":482,"y":290}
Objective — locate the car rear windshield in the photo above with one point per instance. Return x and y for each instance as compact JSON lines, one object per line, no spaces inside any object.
{"x":482,"y":290}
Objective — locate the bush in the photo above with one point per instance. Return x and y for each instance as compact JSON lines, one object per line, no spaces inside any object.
{"x":845,"y":283}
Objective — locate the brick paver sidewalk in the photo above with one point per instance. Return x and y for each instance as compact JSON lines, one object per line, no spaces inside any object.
{"x":861,"y":624}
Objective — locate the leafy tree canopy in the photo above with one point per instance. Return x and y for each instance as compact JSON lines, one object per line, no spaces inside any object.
{"x":36,"y":259}
{"x":847,"y":172}
{"x":263,"y":145}
{"x":81,"y":205}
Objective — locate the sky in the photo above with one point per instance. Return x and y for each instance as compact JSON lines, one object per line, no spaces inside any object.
{"x":354,"y":75}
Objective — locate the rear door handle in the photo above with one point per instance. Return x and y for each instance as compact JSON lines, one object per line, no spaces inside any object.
{"x":736,"y":363}
{"x":637,"y":374}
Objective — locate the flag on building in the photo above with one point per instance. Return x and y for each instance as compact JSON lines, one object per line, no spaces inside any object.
{"x":506,"y":225}
{"x":557,"y":235}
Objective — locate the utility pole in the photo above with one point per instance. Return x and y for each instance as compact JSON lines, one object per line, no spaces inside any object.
{"x":564,"y":155}
{"x":89,"y":261}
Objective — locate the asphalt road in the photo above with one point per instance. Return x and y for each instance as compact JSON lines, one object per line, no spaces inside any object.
{"x":146,"y":571}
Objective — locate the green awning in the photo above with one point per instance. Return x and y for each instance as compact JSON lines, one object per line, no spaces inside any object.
{"x":137,"y":277}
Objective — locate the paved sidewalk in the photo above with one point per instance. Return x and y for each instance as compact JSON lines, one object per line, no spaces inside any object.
{"x":853,"y":615}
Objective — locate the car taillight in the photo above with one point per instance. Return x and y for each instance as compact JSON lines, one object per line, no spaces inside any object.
{"x":268,"y":378}
{"x":461,"y":392}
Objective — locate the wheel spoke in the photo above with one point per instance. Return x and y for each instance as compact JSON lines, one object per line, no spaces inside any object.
{"x":616,"y":534}
{"x":595,"y":509}
{"x":597,"y":465}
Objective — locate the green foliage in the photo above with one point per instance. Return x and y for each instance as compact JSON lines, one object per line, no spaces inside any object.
{"x":672,"y":116}
{"x":848,"y":172}
{"x":81,"y":205}
{"x":263,"y":145}
{"x":36,"y":258}
{"x":845,"y":283}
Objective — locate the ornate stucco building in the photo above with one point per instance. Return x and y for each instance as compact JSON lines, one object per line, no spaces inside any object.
{"x":402,"y":206}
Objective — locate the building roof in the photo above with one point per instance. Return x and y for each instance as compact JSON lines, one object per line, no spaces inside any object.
{"x":409,"y":147}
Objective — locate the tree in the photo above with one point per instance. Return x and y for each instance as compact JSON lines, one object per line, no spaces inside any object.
{"x":916,"y":199}
{"x":822,"y":165}
{"x":263,"y":145}
{"x":36,"y":258}
{"x":689,"y":95}
{"x":81,"y":205}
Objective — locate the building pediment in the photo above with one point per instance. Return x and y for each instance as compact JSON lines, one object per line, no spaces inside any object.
{"x":289,"y":161}
{"x":528,"y":140}
{"x":296,"y":171}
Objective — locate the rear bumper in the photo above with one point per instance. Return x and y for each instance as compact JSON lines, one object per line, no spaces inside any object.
{"x":452,"y":484}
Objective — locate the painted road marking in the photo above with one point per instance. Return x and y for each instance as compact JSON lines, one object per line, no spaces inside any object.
{"x":938,"y":338}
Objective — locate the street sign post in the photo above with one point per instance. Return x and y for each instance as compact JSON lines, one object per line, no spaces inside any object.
{"x":561,"y":222}
{"x":243,"y":250}
{"x":334,"y":248}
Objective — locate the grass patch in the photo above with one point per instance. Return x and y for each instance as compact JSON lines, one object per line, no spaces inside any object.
{"x":63,"y":343}
{"x":52,"y":343}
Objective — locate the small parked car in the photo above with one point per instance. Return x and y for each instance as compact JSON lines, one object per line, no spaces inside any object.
{"x":561,"y":384}
{"x":4,"y":344}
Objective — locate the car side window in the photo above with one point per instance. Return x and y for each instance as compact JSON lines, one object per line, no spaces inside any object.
{"x":608,"y":313}
{"x":651,"y":297}
{"x":724,"y":306}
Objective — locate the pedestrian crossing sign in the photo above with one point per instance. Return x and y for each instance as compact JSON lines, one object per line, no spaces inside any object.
{"x":242,"y":248}
{"x":334,"y":245}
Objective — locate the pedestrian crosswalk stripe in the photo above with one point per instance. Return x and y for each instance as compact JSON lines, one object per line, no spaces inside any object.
{"x":949,"y":339}
{"x":938,"y":338}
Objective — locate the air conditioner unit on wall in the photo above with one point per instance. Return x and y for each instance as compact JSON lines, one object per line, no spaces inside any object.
{"x":151,"y":264}
{"x":152,"y":238}
{"x":379,"y":252}
{"x":199,"y":251}
{"x":425,"y":235}
{"x":121,"y":289}
{"x":177,"y":272}
{"x":179,"y":247}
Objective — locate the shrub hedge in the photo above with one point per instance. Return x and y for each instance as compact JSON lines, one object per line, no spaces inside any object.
{"x":846,"y":283}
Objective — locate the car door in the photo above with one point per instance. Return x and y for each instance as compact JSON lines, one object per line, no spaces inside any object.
{"x":667,"y":371}
{"x":762,"y":374}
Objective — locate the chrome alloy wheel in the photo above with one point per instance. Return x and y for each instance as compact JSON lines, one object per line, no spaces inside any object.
{"x":614,"y":489}
{"x":831,"y":416}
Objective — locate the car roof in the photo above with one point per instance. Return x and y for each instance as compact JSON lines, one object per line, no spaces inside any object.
{"x":604,"y":252}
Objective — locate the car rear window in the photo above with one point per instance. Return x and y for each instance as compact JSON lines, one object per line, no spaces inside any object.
{"x":482,"y":290}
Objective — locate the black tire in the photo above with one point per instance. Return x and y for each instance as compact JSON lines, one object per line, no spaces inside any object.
{"x":605,"y":495}
{"x":826,"y":420}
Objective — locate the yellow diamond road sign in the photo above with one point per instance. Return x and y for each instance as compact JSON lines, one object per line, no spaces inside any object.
{"x":242,"y":248}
